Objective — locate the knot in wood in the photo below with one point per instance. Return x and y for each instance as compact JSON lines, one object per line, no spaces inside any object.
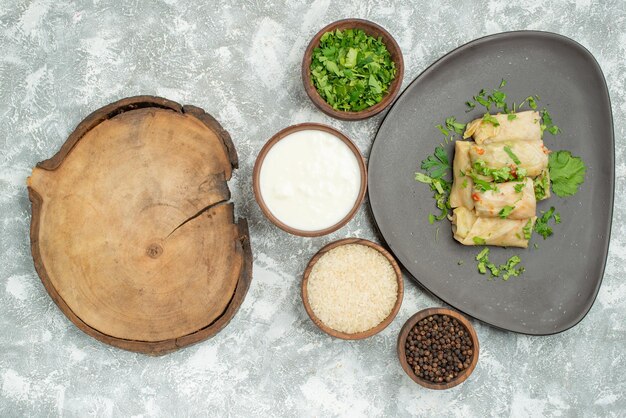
{"x":154,"y":250}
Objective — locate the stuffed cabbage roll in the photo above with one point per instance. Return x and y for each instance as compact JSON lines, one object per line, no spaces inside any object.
{"x":525,"y":127}
{"x":532,"y":156}
{"x":511,"y":200}
{"x":461,"y":192}
{"x":469,"y":229}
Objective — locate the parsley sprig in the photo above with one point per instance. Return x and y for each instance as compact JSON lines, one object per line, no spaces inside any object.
{"x":436,"y":167}
{"x":567,"y":173}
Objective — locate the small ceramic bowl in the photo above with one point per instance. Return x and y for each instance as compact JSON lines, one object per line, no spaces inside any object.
{"x":374,"y":30}
{"x":371,"y":331}
{"x":404,"y":333}
{"x":257,"y":172}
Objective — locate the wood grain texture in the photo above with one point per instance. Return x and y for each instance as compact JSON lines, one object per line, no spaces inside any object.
{"x":371,"y":29}
{"x":357,"y":335}
{"x":132,"y":233}
{"x":404,"y":333}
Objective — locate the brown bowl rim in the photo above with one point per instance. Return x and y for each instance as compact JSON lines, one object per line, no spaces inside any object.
{"x":363,"y":334}
{"x":282,"y":134}
{"x":372,"y":29}
{"x":410,"y":323}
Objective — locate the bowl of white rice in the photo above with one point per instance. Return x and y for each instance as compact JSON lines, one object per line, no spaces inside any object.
{"x":352,"y":288}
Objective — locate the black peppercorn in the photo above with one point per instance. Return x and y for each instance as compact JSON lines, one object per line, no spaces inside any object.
{"x":439,"y":348}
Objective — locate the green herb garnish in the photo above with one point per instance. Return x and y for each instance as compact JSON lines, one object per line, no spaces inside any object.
{"x":546,"y":123}
{"x":499,"y":175}
{"x":423,"y":178}
{"x":511,"y":116}
{"x":482,"y":185}
{"x":506,"y":211}
{"x":443,"y":130}
{"x":437,"y":164}
{"x":351,"y":70}
{"x":532,"y":102}
{"x":498,"y":98}
{"x":528,"y":229}
{"x":519,"y":187}
{"x":479,"y":241}
{"x":509,"y":268}
{"x":566,"y":173}
{"x":541,"y":224}
{"x":455,"y":126}
{"x":541,"y":185}
{"x":511,"y":154}
{"x":490,"y":119}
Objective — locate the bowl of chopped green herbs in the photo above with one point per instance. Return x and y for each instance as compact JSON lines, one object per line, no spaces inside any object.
{"x":352,"y":69}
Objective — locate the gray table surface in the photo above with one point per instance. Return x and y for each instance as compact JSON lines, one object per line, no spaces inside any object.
{"x":240,"y":61}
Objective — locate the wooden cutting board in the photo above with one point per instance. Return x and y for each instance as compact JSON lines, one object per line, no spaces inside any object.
{"x":132,"y":231}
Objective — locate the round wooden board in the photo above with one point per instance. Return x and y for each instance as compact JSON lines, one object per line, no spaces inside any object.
{"x":132,"y":231}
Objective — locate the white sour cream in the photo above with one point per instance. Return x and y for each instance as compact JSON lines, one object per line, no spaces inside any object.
{"x":310,"y":180}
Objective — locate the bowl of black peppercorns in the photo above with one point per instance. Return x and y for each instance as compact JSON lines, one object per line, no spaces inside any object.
{"x":438,"y":348}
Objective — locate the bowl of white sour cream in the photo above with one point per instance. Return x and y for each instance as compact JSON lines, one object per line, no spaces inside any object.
{"x":309,"y":179}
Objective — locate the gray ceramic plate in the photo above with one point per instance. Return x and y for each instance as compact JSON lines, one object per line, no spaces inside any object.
{"x":564,"y":274}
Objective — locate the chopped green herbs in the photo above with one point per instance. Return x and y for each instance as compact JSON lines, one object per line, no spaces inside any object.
{"x":481,"y":184}
{"x":542,"y":185}
{"x":490,"y":119}
{"x":511,"y":154}
{"x":506,"y":211}
{"x":455,"y":126}
{"x":511,"y":116}
{"x":509,"y":268}
{"x":479,"y":241}
{"x":528,"y":229}
{"x":423,"y":178}
{"x":499,"y":175}
{"x":497,"y":98}
{"x":443,"y":130}
{"x":505,"y":270}
{"x":483,"y":98}
{"x":546,"y":123}
{"x":437,"y":164}
{"x":351,"y":70}
{"x":554,"y":130}
{"x":532,"y":102}
{"x":566,"y":173}
{"x":519,"y":187}
{"x":541,"y":224}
